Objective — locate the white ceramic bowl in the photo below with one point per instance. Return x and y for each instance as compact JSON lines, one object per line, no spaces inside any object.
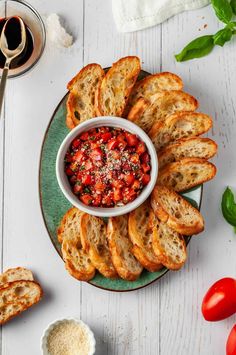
{"x":50,"y":327}
{"x":107,"y":121}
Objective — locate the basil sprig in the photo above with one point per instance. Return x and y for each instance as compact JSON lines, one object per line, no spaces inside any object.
{"x":228,"y":207}
{"x":203,"y":45}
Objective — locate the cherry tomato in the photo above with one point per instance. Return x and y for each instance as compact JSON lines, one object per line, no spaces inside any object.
{"x":220,"y":300}
{"x":231,"y":342}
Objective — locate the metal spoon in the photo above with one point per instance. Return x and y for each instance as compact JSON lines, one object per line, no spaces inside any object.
{"x":9,"y":54}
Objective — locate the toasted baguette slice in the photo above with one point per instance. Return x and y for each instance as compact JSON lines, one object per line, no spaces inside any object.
{"x":16,"y":274}
{"x":169,"y":246}
{"x":186,"y":173}
{"x":69,"y":227}
{"x":94,"y":241}
{"x":77,"y":261}
{"x":81,"y":99}
{"x":17,"y":297}
{"x":179,"y":125}
{"x":114,"y":90}
{"x":141,"y":224}
{"x":175,"y":211}
{"x":145,"y":113}
{"x":153,"y":84}
{"x":127,"y":266}
{"x":204,"y":148}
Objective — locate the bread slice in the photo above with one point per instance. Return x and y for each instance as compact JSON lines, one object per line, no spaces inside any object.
{"x":94,"y":241}
{"x":186,"y":173}
{"x":153,"y":84}
{"x":70,"y":225}
{"x":114,"y":90}
{"x":179,"y":125}
{"x":145,"y":113}
{"x":18,"y":296}
{"x":141,"y":224}
{"x":175,"y":211}
{"x":77,"y":261}
{"x":195,"y":147}
{"x":127,"y":266}
{"x":81,"y":99}
{"x":169,"y":246}
{"x":16,"y":274}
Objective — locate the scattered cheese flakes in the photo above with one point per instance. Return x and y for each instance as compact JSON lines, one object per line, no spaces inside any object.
{"x":57,"y":33}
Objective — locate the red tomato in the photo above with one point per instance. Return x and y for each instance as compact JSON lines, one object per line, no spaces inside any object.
{"x":79,"y":156}
{"x":231,"y":342}
{"x":136,"y":185}
{"x":84,"y":136}
{"x":145,"y":158}
{"x":99,"y":186}
{"x":97,"y":199}
{"x":117,"y":183}
{"x":220,"y":300}
{"x":134,"y":158}
{"x":112,"y":144}
{"x":88,"y":165}
{"x":76,"y":143}
{"x":117,"y":195}
{"x":96,"y":154}
{"x":86,"y":199}
{"x":94,"y":145}
{"x":69,"y":172}
{"x":145,"y":179}
{"x":77,"y":188}
{"x":129,"y":179}
{"x":146,"y":167}
{"x":106,"y":136}
{"x":129,"y":195}
{"x":141,"y":148}
{"x":87,"y":179}
{"x":108,"y":200}
{"x":132,"y":140}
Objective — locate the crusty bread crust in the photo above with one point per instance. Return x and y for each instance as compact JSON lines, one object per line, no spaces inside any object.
{"x":18,"y":296}
{"x":179,"y":125}
{"x":94,"y":241}
{"x":127,"y":266}
{"x":173,"y":209}
{"x":62,"y":231}
{"x":114,"y":89}
{"x":81,"y":99}
{"x":15,"y":274}
{"x":204,"y":148}
{"x":161,"y":105}
{"x":141,"y":223}
{"x":186,"y":173}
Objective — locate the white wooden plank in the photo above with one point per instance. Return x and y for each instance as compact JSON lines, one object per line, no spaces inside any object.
{"x":211,"y":255}
{"x":30,"y":103}
{"x":124,"y":323}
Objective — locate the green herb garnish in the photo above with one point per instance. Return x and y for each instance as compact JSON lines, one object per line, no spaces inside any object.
{"x":203,"y":45}
{"x":87,"y":190}
{"x":228,"y":207}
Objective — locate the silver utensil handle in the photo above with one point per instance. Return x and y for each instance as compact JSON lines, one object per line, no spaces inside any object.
{"x":3,"y":84}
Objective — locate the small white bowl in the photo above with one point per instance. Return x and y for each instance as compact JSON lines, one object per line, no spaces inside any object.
{"x":105,"y":121}
{"x":91,"y":338}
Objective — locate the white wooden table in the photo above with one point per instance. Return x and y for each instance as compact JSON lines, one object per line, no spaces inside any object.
{"x":162,"y":319}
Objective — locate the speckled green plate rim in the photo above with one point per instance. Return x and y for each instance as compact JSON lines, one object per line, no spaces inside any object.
{"x":54,"y":204}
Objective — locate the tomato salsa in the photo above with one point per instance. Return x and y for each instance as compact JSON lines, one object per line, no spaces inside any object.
{"x":107,"y":166}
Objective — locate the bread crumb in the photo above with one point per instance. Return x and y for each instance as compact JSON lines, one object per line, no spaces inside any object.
{"x":57,"y":33}
{"x":205,"y":26}
{"x":68,"y":338}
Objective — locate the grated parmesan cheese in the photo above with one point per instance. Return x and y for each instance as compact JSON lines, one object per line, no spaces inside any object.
{"x":68,"y":338}
{"x":57,"y":33}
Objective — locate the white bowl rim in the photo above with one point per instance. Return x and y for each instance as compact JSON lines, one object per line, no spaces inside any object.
{"x":51,"y":325}
{"x":105,"y":121}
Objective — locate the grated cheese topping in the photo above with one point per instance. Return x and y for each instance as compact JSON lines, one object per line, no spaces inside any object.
{"x":68,"y":338}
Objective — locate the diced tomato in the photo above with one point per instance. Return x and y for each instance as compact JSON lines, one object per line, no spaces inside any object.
{"x":97,"y":199}
{"x":136,"y":185}
{"x":108,"y":200}
{"x":145,"y":167}
{"x":129,"y":195}
{"x":86,"y":199}
{"x":145,"y":158}
{"x":76,"y":143}
{"x":145,"y":179}
{"x":121,"y":141}
{"x":87,"y":179}
{"x":129,"y":179}
{"x":117,"y":195}
{"x":84,"y":136}
{"x":77,"y":188}
{"x":112,"y":144}
{"x":131,"y":139}
{"x":126,"y":167}
{"x":99,"y":186}
{"x":106,"y":136}
{"x":68,"y":157}
{"x":79,"y":156}
{"x":96,"y":154}
{"x":94,"y":145}
{"x":117,"y":183}
{"x":73,"y":179}
{"x":134,"y":158}
{"x":141,"y":148}
{"x":69,"y":172}
{"x":115,"y":154}
{"x":88,"y":165}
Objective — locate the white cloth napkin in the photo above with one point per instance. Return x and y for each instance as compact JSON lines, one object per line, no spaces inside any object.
{"x":134,"y":15}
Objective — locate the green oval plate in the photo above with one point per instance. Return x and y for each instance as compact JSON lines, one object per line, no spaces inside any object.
{"x":54,"y":205}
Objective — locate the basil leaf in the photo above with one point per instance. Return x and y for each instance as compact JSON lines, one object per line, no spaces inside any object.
{"x":223,"y":36}
{"x":223,"y":10}
{"x":198,"y":48}
{"x":228,"y":207}
{"x":233,"y":6}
